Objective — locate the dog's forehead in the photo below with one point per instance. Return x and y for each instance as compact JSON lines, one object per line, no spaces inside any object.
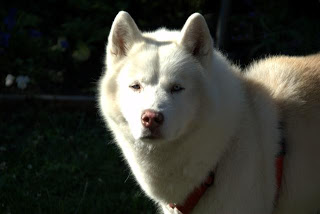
{"x":173,"y":59}
{"x":152,"y":61}
{"x":143,"y":63}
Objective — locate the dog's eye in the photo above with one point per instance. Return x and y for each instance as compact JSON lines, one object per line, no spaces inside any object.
{"x":176,"y":88}
{"x":135,"y":86}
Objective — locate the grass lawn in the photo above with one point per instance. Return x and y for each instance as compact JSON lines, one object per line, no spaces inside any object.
{"x":54,"y":160}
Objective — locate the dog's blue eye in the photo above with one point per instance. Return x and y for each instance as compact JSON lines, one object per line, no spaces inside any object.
{"x":135,"y":86}
{"x":176,"y":88}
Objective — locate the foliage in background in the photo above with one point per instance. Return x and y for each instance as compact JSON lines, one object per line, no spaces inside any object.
{"x":59,"y":45}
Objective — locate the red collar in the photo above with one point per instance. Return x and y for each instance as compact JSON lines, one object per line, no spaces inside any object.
{"x":194,"y":196}
{"x":198,"y":192}
{"x":280,"y":159}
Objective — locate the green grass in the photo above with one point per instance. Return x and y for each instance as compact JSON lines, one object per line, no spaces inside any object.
{"x":58,"y":161}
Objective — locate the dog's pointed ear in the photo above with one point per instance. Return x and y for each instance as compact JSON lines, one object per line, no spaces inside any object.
{"x":195,"y":36}
{"x":123,"y":34}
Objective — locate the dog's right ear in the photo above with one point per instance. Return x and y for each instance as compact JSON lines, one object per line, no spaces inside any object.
{"x":124,"y":32}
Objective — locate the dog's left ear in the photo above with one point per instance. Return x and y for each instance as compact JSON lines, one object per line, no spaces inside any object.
{"x":195,"y":36}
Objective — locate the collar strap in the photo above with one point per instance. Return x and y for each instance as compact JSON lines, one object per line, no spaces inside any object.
{"x":195,"y":196}
{"x":280,"y":158}
{"x":198,"y":192}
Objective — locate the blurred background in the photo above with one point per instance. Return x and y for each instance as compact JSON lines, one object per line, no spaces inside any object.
{"x":55,"y":153}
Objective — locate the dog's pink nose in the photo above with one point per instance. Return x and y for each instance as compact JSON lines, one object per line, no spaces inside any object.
{"x":151,"y":119}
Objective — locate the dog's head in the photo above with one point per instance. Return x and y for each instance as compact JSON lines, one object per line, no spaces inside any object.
{"x":154,"y":81}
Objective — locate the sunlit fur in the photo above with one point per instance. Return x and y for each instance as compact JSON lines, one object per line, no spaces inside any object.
{"x":223,"y":120}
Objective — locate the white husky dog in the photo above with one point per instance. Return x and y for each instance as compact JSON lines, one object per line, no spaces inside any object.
{"x":180,"y":111}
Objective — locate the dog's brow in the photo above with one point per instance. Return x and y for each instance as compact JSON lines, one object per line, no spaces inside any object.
{"x":156,"y":42}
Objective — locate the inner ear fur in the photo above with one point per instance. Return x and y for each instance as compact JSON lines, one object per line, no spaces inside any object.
{"x":195,"y":36}
{"x":124,"y":33}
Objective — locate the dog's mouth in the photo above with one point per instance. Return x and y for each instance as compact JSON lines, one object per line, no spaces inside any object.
{"x":148,"y":135}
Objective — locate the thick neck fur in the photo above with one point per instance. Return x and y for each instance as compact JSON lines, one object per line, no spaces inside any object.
{"x":170,"y":171}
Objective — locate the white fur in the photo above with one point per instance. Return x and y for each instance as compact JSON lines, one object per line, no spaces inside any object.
{"x":219,"y":122}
